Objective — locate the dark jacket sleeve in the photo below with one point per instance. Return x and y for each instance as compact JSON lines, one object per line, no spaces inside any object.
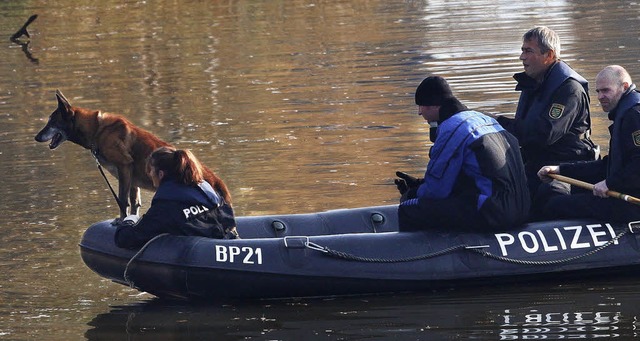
{"x":589,"y":171}
{"x":155,"y":222}
{"x":628,"y":177}
{"x":508,"y":123}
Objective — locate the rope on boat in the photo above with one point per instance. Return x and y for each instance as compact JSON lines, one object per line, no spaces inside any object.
{"x":476,"y":249}
{"x":348,"y":256}
{"x":125,"y":275}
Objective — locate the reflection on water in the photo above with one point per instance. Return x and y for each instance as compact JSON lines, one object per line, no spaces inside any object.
{"x":543,"y":312}
{"x":300,"y":106}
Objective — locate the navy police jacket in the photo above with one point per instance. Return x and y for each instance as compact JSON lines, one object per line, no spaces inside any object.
{"x":472,"y":152}
{"x":621,"y":168}
{"x":180,"y":210}
{"x":552,"y":121}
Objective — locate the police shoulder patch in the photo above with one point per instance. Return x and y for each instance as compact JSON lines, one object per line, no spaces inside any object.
{"x":636,"y":138}
{"x":556,"y":111}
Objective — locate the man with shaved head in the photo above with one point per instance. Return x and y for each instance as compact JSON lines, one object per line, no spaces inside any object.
{"x":618,"y":171}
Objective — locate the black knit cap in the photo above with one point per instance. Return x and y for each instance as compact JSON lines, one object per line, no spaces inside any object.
{"x":433,"y":91}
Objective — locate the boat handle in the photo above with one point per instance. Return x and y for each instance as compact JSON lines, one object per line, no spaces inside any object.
{"x":300,"y":242}
{"x":633,"y":226}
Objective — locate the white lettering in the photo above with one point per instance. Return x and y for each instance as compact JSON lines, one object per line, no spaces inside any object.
{"x":247,"y":258}
{"x":569,"y":237}
{"x":563,"y":245}
{"x":258,"y":252}
{"x":233,"y":254}
{"x":221,"y":253}
{"x":613,"y":234}
{"x":534,"y":248}
{"x":595,"y":234}
{"x":250,"y":253}
{"x":544,"y":243}
{"x":504,"y":242}
{"x":194,"y":210}
{"x":576,"y":236}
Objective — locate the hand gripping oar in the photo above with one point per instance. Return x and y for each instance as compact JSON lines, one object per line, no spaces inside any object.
{"x":589,"y":186}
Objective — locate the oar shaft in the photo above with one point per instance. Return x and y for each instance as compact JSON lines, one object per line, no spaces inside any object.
{"x":572,"y":181}
{"x":586,"y":185}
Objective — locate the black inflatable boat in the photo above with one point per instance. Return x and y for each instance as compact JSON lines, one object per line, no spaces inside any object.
{"x":357,"y":251}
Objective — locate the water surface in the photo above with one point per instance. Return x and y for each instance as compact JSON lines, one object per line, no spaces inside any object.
{"x":300,"y":106}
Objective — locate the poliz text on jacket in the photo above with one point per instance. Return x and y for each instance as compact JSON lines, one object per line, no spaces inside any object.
{"x":194,"y":210}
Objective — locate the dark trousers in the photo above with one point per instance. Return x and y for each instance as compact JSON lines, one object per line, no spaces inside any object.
{"x":457,"y":213}
{"x":541,"y":192}
{"x":587,"y":205}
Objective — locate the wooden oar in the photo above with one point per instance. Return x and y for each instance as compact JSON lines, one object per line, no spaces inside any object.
{"x":586,"y":185}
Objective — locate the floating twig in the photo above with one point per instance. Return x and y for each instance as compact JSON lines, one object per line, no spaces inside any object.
{"x":23,"y":30}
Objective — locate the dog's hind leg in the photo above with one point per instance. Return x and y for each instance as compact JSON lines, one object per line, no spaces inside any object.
{"x":135,"y":200}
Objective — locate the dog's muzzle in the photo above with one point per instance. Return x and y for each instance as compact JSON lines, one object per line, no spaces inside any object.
{"x":56,"y":136}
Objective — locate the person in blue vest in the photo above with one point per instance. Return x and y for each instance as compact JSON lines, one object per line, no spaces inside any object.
{"x":475,"y":178}
{"x":618,"y":171}
{"x":184,"y":203}
{"x":552,"y":120}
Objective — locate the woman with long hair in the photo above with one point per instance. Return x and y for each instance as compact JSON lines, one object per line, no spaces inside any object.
{"x":184,"y":203}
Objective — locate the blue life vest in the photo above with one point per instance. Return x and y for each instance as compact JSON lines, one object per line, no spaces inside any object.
{"x":451,"y":155}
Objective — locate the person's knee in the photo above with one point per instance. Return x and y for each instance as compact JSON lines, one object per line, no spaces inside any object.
{"x":408,"y":218}
{"x":567,"y":207}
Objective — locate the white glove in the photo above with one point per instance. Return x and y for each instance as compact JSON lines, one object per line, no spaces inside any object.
{"x":131,"y":219}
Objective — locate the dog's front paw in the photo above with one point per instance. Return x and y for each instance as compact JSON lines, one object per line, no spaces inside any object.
{"x":131,"y":219}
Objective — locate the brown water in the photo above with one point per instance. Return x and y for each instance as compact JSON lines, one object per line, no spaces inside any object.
{"x":300,"y":106}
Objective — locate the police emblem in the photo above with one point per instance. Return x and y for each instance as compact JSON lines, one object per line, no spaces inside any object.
{"x":556,"y":111}
{"x":636,"y":138}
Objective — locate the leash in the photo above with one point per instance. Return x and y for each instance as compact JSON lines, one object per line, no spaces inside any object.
{"x":94,"y":152}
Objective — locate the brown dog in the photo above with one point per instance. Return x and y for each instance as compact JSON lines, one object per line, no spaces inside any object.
{"x":121,"y":147}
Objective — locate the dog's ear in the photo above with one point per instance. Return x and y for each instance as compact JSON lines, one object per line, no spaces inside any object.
{"x":63,"y":102}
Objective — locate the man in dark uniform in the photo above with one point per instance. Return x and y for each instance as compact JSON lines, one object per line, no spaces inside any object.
{"x":619,"y":171}
{"x":475,"y":177}
{"x":552,"y":120}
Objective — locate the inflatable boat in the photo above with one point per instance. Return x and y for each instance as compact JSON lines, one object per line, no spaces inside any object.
{"x":358,"y":251}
